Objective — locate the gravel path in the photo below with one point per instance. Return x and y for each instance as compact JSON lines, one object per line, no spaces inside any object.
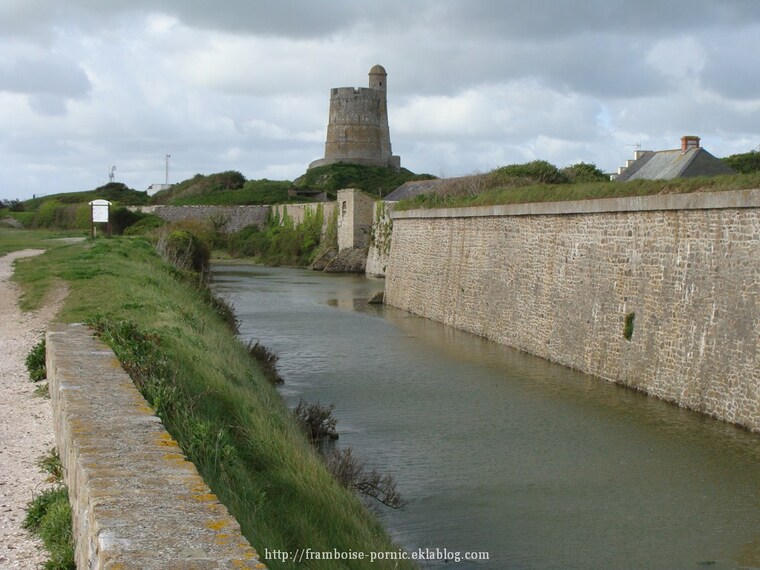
{"x":26,"y":428}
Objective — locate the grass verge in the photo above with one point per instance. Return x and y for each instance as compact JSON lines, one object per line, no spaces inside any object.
{"x":12,"y":239}
{"x":48,"y":516}
{"x":212,"y":396}
{"x":582,"y":191}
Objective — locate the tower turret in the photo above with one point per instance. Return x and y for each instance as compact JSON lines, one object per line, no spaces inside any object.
{"x":357,"y":132}
{"x":378,"y":78}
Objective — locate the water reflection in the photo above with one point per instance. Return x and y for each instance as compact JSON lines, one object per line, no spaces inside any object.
{"x":502,"y":452}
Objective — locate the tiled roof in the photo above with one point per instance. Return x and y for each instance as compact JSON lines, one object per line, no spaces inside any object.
{"x":668,"y":164}
{"x":412,"y":188}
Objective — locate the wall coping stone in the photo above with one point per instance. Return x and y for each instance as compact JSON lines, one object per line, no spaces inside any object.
{"x":137,"y":502}
{"x":694,"y":201}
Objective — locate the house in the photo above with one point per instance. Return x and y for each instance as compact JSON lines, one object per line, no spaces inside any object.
{"x":687,"y":161}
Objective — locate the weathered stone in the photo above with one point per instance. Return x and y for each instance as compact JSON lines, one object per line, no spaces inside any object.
{"x":136,"y":501}
{"x":559,"y":279}
{"x":377,"y":298}
{"x":348,"y":261}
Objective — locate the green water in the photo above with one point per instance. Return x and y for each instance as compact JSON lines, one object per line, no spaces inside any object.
{"x":500,"y":452}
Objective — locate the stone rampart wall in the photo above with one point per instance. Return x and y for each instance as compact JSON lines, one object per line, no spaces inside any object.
{"x":136,"y":501}
{"x":380,"y":239}
{"x":297,"y":212}
{"x":561,"y":280}
{"x":231,"y":218}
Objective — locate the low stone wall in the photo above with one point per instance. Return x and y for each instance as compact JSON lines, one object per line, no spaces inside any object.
{"x":659,"y":293}
{"x":230,"y":218}
{"x":136,"y":501}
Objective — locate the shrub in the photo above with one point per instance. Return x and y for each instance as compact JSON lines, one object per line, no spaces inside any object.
{"x":35,"y":362}
{"x":539,"y":171}
{"x":267,"y":361}
{"x":184,"y":250}
{"x":122,"y":218}
{"x":146,"y":224}
{"x":316,"y":421}
{"x":352,"y":473}
{"x":630,"y":318}
{"x":583,"y":172}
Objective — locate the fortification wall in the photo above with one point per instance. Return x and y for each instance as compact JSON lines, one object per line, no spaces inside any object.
{"x":231,"y":218}
{"x":380,"y":239}
{"x":355,"y":210}
{"x":136,"y":501}
{"x":561,"y":280}
{"x":297,"y":212}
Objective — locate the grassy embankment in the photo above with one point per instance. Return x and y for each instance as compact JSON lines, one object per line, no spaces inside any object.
{"x":495,"y":188}
{"x":210,"y":394}
{"x":14,"y":240}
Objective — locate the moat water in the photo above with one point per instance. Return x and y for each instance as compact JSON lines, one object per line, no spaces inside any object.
{"x":497,"y":451}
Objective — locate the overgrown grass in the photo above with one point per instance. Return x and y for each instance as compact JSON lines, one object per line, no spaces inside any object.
{"x":48,"y":515}
{"x":211,"y":395}
{"x":517,"y":194}
{"x":374,"y":180}
{"x":283,"y":242}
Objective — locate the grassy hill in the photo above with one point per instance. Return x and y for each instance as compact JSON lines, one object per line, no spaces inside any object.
{"x":223,"y":189}
{"x":231,"y":187}
{"x":374,"y":180}
{"x":70,"y":210}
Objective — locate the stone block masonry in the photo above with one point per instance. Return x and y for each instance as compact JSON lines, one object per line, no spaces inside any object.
{"x":658,"y":293}
{"x":136,"y":501}
{"x":230,"y":218}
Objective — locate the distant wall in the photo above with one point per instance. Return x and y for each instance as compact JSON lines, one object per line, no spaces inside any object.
{"x":297,"y":212}
{"x":232,"y":218}
{"x":561,"y":280}
{"x":136,"y":501}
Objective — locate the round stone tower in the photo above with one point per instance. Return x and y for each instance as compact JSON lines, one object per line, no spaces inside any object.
{"x":357,"y":132}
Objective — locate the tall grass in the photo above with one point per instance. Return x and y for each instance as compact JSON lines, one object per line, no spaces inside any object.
{"x":516,"y":191}
{"x":212,"y":396}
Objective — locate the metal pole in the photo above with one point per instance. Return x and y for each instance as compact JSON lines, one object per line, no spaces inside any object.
{"x":168,"y":156}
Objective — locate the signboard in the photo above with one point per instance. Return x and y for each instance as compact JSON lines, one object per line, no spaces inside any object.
{"x":100,"y":210}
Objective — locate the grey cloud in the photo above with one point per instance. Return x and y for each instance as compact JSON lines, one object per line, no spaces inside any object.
{"x":49,"y":78}
{"x":535,"y":19}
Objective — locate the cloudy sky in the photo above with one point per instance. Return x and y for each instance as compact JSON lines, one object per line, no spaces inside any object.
{"x":473,"y":84}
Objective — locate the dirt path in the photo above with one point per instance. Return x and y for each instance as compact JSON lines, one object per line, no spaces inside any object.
{"x":26,"y":430}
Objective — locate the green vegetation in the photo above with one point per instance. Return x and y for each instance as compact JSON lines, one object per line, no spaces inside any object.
{"x":374,"y":180}
{"x":224,"y":189}
{"x":48,"y":515}
{"x":281,"y":241}
{"x":509,"y":185}
{"x":35,"y":362}
{"x":229,"y":188}
{"x":72,"y":210}
{"x":211,"y":395}
{"x":628,"y":326}
{"x":744,"y":163}
{"x":267,"y":361}
{"x":14,"y":239}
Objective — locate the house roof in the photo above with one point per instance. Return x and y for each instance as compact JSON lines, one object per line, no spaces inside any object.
{"x":667,"y":164}
{"x":412,"y":188}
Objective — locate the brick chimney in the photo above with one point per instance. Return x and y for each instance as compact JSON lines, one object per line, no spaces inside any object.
{"x":689,"y":142}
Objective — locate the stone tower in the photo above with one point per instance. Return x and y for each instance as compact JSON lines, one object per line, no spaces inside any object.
{"x":358,"y":129}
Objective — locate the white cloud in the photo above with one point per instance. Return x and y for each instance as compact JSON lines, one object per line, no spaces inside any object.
{"x":472,"y":86}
